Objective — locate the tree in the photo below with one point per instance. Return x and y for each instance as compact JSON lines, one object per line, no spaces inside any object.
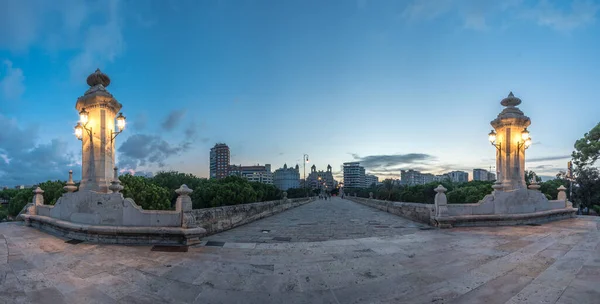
{"x":144,"y":193}
{"x":587,"y":192}
{"x":587,"y":148}
{"x":530,"y":175}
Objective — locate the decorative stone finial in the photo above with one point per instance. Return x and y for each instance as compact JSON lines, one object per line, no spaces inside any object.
{"x":371,"y":195}
{"x":184,"y":190}
{"x":38,"y":190}
{"x":561,"y":188}
{"x":510,"y":101}
{"x":70,"y":187}
{"x":97,"y":78}
{"x":440,"y":189}
{"x":115,"y":184}
{"x":497,"y":186}
{"x":284,"y":195}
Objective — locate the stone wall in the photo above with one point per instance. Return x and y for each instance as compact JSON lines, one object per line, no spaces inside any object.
{"x":218,"y":219}
{"x":413,"y":211}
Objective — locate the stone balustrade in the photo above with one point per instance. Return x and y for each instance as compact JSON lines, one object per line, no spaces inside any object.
{"x":413,"y":211}
{"x":218,"y":219}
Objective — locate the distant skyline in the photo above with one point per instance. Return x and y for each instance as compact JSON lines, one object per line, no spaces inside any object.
{"x":392,"y":84}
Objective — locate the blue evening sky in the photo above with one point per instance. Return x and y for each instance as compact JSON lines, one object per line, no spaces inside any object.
{"x":397,"y":84}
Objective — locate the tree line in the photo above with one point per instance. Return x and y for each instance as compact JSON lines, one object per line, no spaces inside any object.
{"x":158,"y":192}
{"x":457,"y":193}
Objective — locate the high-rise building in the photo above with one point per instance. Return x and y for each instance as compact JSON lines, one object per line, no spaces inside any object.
{"x":480,"y":175}
{"x":370,"y":180}
{"x":483,"y":175}
{"x":257,"y":173}
{"x":458,"y":176}
{"x":354,"y":175}
{"x":287,"y":178}
{"x":413,"y":177}
{"x":219,"y":161}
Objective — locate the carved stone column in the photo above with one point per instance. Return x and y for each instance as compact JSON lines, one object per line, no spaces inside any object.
{"x":98,"y":148}
{"x":510,"y":157}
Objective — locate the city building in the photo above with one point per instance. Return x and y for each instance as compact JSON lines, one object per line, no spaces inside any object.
{"x":320,"y":179}
{"x":287,"y":178}
{"x":458,"y":176}
{"x":219,"y":161}
{"x":483,"y":175}
{"x":370,"y":180}
{"x":413,"y":177}
{"x":257,"y":173}
{"x":354,"y":175}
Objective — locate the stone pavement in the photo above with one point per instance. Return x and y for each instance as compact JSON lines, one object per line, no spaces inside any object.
{"x":321,"y":220}
{"x":557,"y":262}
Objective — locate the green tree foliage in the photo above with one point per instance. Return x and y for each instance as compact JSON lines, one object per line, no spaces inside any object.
{"x":587,"y":149}
{"x":530,"y":175}
{"x":587,"y":192}
{"x":19,"y":200}
{"x":145,"y":193}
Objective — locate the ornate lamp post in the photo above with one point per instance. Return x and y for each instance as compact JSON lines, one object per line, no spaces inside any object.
{"x":511,"y":138}
{"x":305,"y":161}
{"x":98,"y":118}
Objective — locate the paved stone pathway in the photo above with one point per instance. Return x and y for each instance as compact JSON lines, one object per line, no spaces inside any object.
{"x":558,"y":262}
{"x":321,"y":220}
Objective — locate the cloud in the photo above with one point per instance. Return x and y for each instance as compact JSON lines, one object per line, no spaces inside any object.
{"x":478,"y":14}
{"x":173,"y":120}
{"x":548,"y":158}
{"x":546,"y":13}
{"x":373,"y":162}
{"x":11,"y":81}
{"x":191,"y":130}
{"x":24,"y":162}
{"x":145,"y":150}
{"x":102,"y":43}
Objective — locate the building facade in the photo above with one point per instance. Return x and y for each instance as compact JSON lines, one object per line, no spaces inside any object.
{"x":458,"y":176}
{"x":257,"y":173}
{"x":370,"y":180}
{"x":287,"y":178}
{"x":219,"y":161}
{"x":414,"y":177}
{"x":483,"y":175}
{"x":354,"y":175}
{"x":320,"y":179}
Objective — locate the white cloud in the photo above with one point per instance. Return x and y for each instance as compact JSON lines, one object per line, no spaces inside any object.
{"x":581,"y":14}
{"x":478,"y":14}
{"x":11,"y":81}
{"x":102,"y":44}
{"x":91,"y":30}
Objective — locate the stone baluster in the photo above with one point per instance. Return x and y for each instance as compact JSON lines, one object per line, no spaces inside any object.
{"x":184,"y":205}
{"x":497,"y":186}
{"x":534,"y":186}
{"x":441,"y":202}
{"x":284,"y":196}
{"x":38,"y":198}
{"x":562,"y":196}
{"x":115,"y":184}
{"x":370,"y":195}
{"x":70,"y":187}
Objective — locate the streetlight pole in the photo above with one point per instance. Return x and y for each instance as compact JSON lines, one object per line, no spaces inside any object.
{"x":304,"y":161}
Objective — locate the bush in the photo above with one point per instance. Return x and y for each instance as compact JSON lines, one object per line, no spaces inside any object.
{"x":146,"y":194}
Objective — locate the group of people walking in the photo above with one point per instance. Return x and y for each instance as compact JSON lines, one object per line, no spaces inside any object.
{"x":325,"y":196}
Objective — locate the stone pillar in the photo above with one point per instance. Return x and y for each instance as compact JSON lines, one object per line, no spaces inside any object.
{"x":562,"y":196}
{"x":184,"y":205}
{"x":441,"y":202}
{"x":115,"y":184}
{"x":98,"y":148}
{"x":510,"y":157}
{"x":70,"y":187}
